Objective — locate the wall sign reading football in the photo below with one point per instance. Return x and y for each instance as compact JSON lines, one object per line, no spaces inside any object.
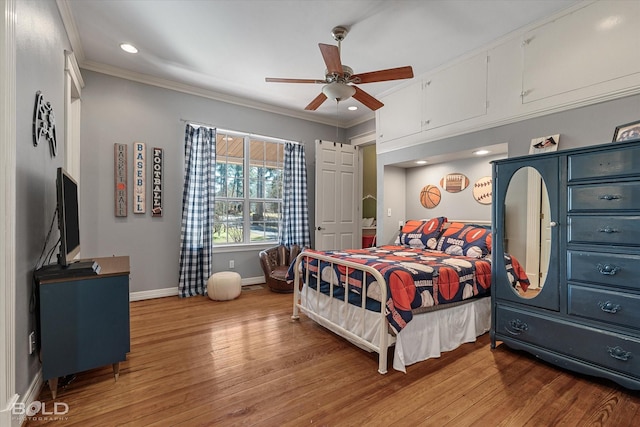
{"x":430,"y":196}
{"x":483,"y":190}
{"x":454,"y":182}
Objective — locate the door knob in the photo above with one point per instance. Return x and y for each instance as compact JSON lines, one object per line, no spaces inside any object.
{"x":319,"y":228}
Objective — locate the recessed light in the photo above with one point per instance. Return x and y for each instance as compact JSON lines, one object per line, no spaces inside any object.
{"x":128,"y":48}
{"x":481,"y":152}
{"x":352,"y":108}
{"x":421,"y":162}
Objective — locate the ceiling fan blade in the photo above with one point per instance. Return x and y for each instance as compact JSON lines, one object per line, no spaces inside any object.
{"x":277,"y":80}
{"x":384,"y":75}
{"x":331,"y":56}
{"x":366,"y":99}
{"x":318,"y":100}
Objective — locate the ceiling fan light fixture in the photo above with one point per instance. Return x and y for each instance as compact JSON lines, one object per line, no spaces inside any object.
{"x":338,"y":91}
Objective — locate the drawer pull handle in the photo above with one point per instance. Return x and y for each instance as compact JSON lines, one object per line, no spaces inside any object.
{"x":609,"y":307}
{"x":618,"y":352}
{"x":607,"y":270}
{"x":608,"y":230}
{"x":609,"y":197}
{"x":517,"y":327}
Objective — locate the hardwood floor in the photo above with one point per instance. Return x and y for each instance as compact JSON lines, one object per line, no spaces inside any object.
{"x":194,"y":362}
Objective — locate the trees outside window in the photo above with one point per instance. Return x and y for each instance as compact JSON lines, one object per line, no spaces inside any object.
{"x":248,"y":189}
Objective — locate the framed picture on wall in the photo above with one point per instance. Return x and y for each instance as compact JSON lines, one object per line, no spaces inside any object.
{"x":544,"y":144}
{"x":627,"y":132}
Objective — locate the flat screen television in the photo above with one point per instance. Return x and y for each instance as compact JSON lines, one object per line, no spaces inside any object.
{"x":68,"y":218}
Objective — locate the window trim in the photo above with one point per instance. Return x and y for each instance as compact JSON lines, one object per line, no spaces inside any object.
{"x":246,"y":200}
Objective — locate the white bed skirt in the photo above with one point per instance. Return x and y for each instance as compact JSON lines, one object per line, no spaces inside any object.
{"x":426,"y":336}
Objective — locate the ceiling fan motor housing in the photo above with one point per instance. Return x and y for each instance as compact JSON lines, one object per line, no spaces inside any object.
{"x":339,"y":33}
{"x":347,"y":72}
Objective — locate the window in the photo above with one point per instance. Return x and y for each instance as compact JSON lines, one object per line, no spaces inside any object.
{"x":248,"y":188}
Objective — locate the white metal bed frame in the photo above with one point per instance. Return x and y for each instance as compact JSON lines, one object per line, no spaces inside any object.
{"x":385,"y":338}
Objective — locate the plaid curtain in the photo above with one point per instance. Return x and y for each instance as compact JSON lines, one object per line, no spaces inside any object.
{"x":197,"y":210}
{"x":295,"y":214}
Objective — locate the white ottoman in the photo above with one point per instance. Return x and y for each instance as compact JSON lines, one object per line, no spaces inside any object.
{"x":224,"y":286}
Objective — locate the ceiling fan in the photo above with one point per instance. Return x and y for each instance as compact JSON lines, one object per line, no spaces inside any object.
{"x":339,"y":81}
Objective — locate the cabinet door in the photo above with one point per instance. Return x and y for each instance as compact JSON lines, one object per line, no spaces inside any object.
{"x":84,"y":324}
{"x":401,"y":114}
{"x":456,"y":93}
{"x":525,"y":227}
{"x":595,"y":44}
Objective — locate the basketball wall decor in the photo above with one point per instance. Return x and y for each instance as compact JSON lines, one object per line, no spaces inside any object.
{"x":430,"y":196}
{"x":483,"y":190}
{"x":454,"y":182}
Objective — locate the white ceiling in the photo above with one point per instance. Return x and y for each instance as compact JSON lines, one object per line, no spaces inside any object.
{"x":226,"y":48}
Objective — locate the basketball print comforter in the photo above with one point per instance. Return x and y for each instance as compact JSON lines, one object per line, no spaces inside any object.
{"x":414,"y":277}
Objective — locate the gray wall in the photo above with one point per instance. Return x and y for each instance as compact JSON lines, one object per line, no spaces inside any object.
{"x":454,"y":206}
{"x":115,"y":110}
{"x":40,"y":45}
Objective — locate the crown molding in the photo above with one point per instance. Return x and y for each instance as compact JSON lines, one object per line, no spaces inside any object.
{"x":69,"y":23}
{"x":204,"y":93}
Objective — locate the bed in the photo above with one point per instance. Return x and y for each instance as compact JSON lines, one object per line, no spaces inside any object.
{"x":425,"y":294}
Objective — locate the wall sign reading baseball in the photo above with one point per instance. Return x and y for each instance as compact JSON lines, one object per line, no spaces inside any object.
{"x":156,"y":210}
{"x":430,"y":196}
{"x":120,"y":175}
{"x":483,"y":190}
{"x":454,"y":182}
{"x":139,"y":174}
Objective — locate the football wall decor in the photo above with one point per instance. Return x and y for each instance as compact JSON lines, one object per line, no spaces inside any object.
{"x":454,"y":182}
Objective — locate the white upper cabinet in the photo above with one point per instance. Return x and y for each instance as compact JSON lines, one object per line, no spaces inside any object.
{"x":589,"y":54}
{"x":401,"y":115}
{"x":455,"y":93}
{"x":587,"y":47}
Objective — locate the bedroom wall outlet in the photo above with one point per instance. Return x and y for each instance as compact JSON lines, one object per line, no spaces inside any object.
{"x":32,"y":342}
{"x":389,"y":212}
{"x":232,"y":263}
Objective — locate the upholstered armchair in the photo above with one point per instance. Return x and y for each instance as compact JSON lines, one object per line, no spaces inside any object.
{"x":275,"y":263}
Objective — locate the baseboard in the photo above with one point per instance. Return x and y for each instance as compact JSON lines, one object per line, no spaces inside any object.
{"x":154,"y":293}
{"x":170,"y":292}
{"x":12,"y":415}
{"x":7,"y":418}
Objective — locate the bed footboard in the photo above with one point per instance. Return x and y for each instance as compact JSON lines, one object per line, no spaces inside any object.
{"x":339,"y":315}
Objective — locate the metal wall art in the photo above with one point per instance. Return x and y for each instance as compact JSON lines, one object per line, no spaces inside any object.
{"x":44,"y":124}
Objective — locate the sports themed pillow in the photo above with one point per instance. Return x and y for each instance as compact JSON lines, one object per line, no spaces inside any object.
{"x":467,"y":240}
{"x":420,"y":234}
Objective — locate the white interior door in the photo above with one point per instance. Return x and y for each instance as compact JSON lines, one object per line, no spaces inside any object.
{"x":337,"y":199}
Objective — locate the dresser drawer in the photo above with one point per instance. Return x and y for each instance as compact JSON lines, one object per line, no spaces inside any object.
{"x":607,"y":306}
{"x":604,"y":268}
{"x":604,"y":230}
{"x":604,"y":164}
{"x":607,"y":349}
{"x":614,"y":197}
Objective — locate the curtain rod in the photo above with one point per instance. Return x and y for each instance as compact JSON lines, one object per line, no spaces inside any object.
{"x":232,"y":131}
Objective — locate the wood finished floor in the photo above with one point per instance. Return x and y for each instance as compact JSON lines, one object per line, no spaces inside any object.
{"x":197,"y":362}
